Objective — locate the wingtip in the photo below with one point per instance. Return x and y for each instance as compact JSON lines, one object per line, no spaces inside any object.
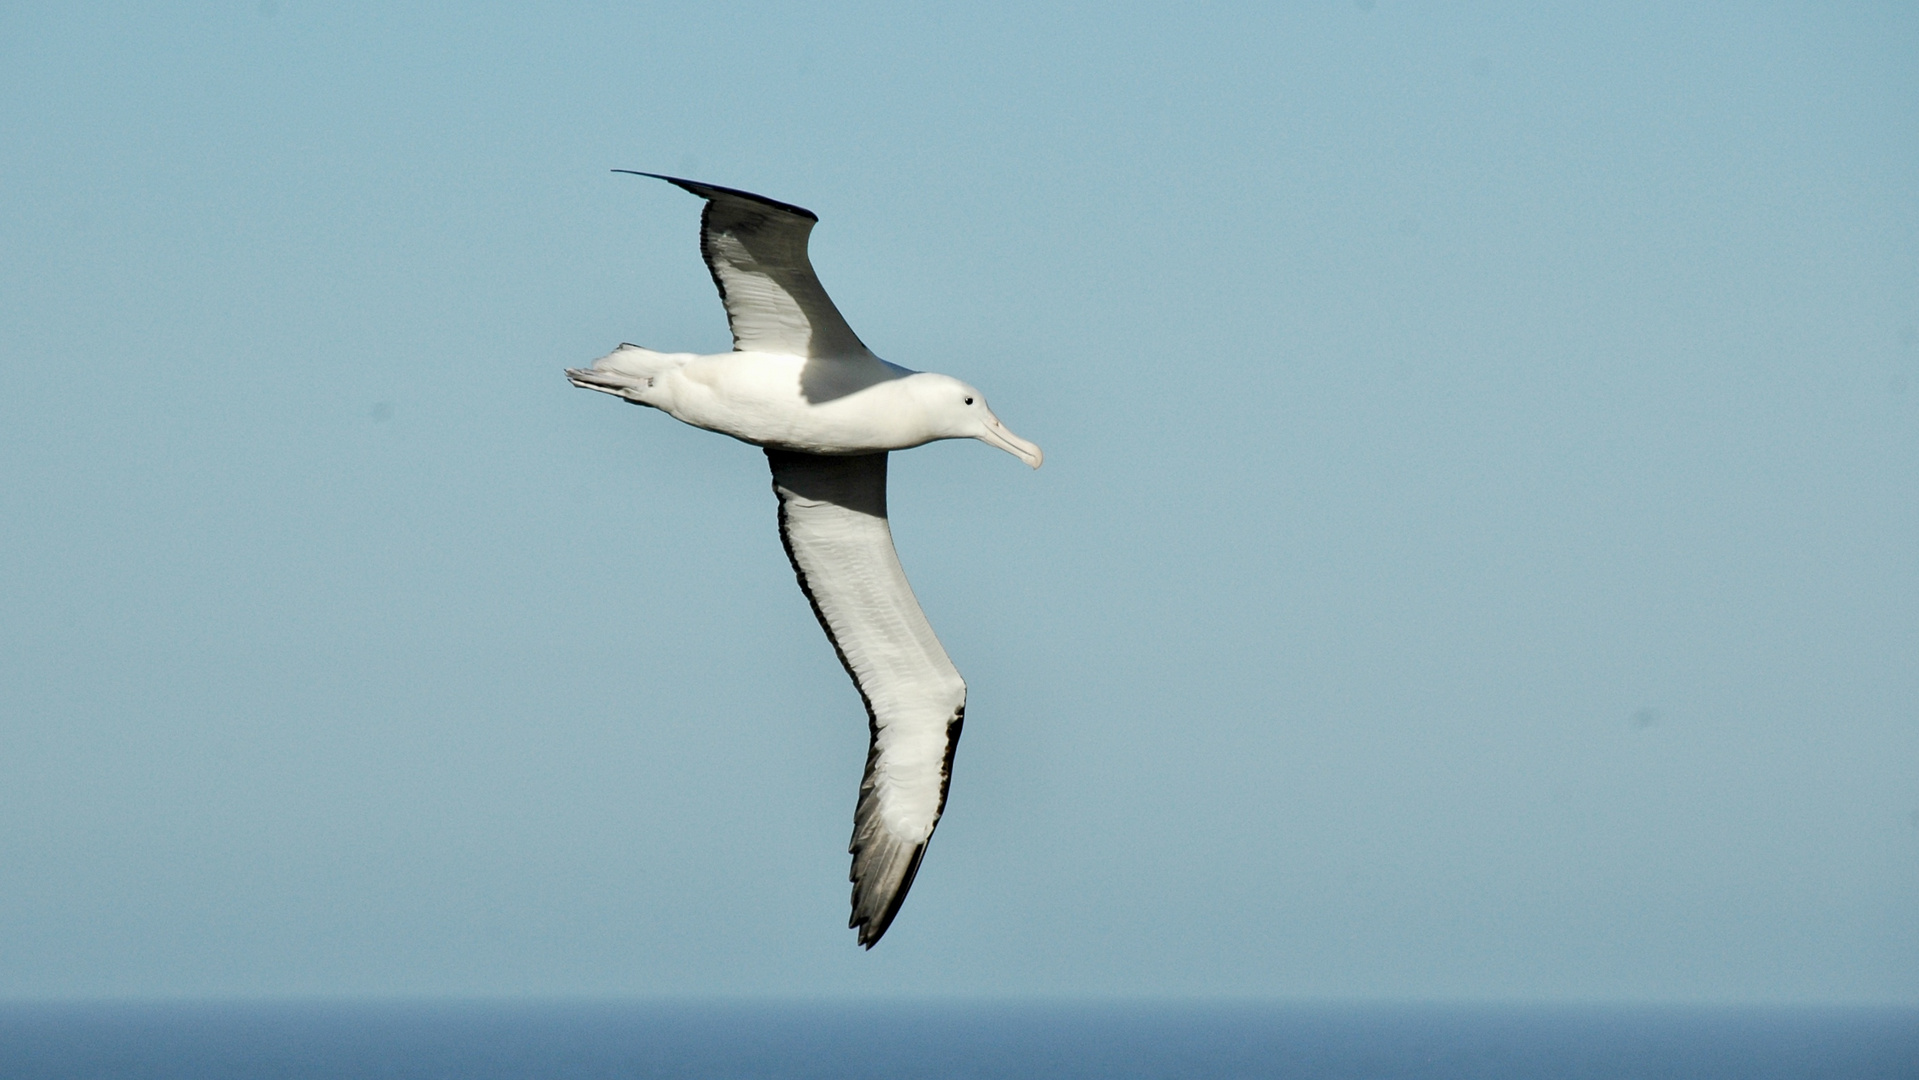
{"x":876,"y":899}
{"x":870,"y":928}
{"x":869,"y":935}
{"x":689,"y":185}
{"x":708,"y":191}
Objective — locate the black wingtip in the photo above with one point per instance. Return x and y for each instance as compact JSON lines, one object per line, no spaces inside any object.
{"x":707,"y":191}
{"x":870,"y":928}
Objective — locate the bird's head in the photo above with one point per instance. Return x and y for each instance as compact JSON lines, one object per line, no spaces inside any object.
{"x":955,"y":410}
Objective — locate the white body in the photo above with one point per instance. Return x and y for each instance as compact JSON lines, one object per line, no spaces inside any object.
{"x":758,"y":397}
{"x":850,"y":405}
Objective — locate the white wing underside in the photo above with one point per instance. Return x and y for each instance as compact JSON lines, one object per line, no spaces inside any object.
{"x":833,"y":523}
{"x":756,"y":249}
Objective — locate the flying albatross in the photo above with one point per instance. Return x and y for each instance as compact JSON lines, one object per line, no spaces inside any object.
{"x":801,"y":385}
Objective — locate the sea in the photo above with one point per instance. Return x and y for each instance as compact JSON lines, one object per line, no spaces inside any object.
{"x":785,"y":1041}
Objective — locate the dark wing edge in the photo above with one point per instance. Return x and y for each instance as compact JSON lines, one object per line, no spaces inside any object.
{"x":708,"y":191}
{"x":884,"y":865}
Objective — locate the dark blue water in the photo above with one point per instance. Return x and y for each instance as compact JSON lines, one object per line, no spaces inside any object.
{"x":485,"y":1042}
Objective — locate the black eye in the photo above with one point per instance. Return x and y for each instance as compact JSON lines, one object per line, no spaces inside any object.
{"x":969,"y":401}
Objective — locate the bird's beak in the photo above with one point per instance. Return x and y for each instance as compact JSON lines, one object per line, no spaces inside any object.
{"x":995,"y":434}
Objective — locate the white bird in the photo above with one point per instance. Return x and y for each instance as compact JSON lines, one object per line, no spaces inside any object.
{"x":800,"y":384}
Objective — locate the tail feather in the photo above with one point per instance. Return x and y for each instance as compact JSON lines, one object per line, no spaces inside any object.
{"x":626,"y":372}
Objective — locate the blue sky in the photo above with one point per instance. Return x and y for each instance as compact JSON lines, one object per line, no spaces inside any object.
{"x":1477,"y":555}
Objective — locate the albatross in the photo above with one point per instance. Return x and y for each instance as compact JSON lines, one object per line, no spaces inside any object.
{"x":801,"y":385}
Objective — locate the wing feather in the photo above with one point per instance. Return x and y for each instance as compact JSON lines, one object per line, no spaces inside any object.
{"x":756,"y":250}
{"x":833,"y":524}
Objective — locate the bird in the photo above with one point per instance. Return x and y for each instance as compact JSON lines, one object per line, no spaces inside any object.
{"x":827,"y":412}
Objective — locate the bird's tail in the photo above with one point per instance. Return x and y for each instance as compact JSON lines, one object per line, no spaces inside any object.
{"x":627,"y":372}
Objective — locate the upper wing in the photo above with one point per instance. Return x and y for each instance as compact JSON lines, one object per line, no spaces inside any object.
{"x":833,"y":523}
{"x":756,"y":249}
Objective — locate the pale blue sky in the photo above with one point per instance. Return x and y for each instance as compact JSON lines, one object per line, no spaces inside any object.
{"x":1477,"y":554}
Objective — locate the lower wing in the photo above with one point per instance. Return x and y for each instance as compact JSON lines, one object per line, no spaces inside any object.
{"x":833,"y":523}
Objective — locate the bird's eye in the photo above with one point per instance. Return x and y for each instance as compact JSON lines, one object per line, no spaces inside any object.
{"x":969,"y":401}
